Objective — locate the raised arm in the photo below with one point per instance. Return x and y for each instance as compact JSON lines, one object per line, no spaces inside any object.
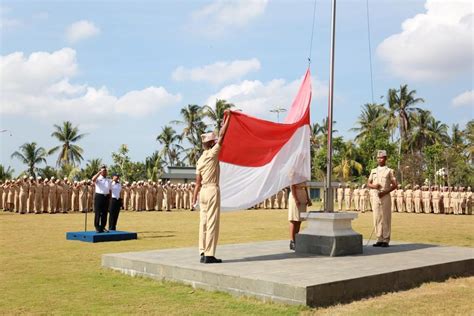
{"x":225,"y":125}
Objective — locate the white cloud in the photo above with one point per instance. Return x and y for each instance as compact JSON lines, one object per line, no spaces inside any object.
{"x":464,"y":99}
{"x":39,"y":85}
{"x":257,"y":98}
{"x":222,"y":15}
{"x":218,"y":72}
{"x":434,"y":45}
{"x":81,"y":30}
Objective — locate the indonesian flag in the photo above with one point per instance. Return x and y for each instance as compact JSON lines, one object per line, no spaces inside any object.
{"x":260,"y":158}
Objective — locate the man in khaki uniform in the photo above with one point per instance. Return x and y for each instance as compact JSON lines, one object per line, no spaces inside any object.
{"x":31,"y":195}
{"x":426,"y":196}
{"x":83,"y":196}
{"x":356,"y":198}
{"x":408,"y":196}
{"x":382,"y":179}
{"x":279,"y":199}
{"x":417,"y":197}
{"x":364,"y":197}
{"x":348,"y":197}
{"x":399,"y":196}
{"x":468,"y":209}
{"x":159,"y":196}
{"x":23,"y":197}
{"x":207,"y":187}
{"x":461,"y":200}
{"x":340,"y":197}
{"x":39,"y":196}
{"x":436,"y":197}
{"x":52,"y":196}
{"x":45,"y":196}
{"x":393,"y":200}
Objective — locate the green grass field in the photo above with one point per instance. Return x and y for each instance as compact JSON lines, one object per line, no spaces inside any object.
{"x":43,"y":273}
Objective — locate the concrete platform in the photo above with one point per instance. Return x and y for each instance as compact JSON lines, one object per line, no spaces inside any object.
{"x":93,"y":236}
{"x":271,"y":272}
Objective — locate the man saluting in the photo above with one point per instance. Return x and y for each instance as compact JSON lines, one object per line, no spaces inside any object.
{"x":383,"y":180}
{"x":101,"y":199}
{"x":207,"y":183}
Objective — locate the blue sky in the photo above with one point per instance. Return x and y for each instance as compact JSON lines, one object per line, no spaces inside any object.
{"x":121,"y":70}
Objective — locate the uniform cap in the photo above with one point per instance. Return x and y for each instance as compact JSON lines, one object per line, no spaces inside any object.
{"x":208,"y":137}
{"x":39,"y":178}
{"x":381,"y":153}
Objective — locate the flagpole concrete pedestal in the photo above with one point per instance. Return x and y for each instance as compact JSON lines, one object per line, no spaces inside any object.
{"x":329,"y":234}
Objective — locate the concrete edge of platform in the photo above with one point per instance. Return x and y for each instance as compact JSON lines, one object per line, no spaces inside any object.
{"x":235,"y":285}
{"x":373,"y":285}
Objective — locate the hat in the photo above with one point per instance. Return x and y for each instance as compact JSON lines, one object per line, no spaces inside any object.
{"x":208,"y":137}
{"x":25,"y":177}
{"x":381,"y":153}
{"x":39,"y":178}
{"x":407,"y":186}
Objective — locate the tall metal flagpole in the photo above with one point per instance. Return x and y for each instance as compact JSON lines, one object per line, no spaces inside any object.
{"x":329,"y":207}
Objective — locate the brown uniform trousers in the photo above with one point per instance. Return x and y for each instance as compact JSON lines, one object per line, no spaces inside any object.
{"x":426,"y":201}
{"x":23,"y":197}
{"x":417,"y":194}
{"x":348,"y":198}
{"x":209,"y":201}
{"x":45,"y":198}
{"x":435,"y":196}
{"x":408,"y":195}
{"x":31,"y":198}
{"x":399,"y":196}
{"x":53,"y":207}
{"x":340,"y":198}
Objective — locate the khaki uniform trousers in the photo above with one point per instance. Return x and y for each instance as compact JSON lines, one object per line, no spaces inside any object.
{"x":39,"y":201}
{"x":210,"y":209}
{"x":357,"y":202}
{"x":23,"y":202}
{"x":339,"y":202}
{"x":382,"y":217}
{"x":418,"y":205}
{"x":31,"y":200}
{"x":409,"y":205}
{"x":400,"y":208}
{"x":363,"y":203}
{"x":52,"y":202}
{"x":436,"y":206}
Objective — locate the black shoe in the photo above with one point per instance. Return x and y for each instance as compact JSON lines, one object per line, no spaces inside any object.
{"x":378,"y":244}
{"x":384,"y":245}
{"x":202,"y":258}
{"x":99,"y":231}
{"x":105,"y":230}
{"x":292,"y":245}
{"x":211,"y":259}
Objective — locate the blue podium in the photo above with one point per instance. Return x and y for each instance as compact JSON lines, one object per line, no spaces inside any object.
{"x":93,"y":236}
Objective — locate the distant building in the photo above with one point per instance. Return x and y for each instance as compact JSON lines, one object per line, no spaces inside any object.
{"x":180,"y":174}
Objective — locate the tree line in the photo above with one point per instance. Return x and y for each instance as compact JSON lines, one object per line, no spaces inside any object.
{"x":417,"y":143}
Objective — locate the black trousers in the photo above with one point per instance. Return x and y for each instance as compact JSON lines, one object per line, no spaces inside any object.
{"x":114,"y":211}
{"x":100,"y":210}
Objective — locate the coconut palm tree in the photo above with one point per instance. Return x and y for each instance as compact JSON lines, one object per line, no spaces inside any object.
{"x":426,"y":131}
{"x":91,"y":168}
{"x":6,"y":173}
{"x":171,"y":150}
{"x":194,"y":126}
{"x":348,"y":164}
{"x":216,"y":114}
{"x":31,"y":155}
{"x":69,"y":153}
{"x":372,"y":115}
{"x":153,"y":166}
{"x":469,"y":134}
{"x":47,"y":172}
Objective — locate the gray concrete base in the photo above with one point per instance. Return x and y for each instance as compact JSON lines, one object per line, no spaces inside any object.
{"x":329,"y":245}
{"x":271,"y":272}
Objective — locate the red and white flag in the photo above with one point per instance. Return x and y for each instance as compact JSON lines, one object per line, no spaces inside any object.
{"x":260,"y":158}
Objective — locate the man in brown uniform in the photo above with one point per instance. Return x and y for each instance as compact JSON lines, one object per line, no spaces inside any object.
{"x":23,"y":195}
{"x":383,"y":180}
{"x":417,"y":195}
{"x":31,"y":195}
{"x":399,"y":196}
{"x":207,"y":187}
{"x":364,"y":197}
{"x":39,"y":196}
{"x":408,"y":195}
{"x":356,"y":198}
{"x":436,"y":196}
{"x":45,"y":196}
{"x":348,"y":197}
{"x":426,"y":196}
{"x":340,"y":197}
{"x":53,"y":207}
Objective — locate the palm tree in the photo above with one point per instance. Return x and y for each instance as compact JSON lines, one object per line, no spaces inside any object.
{"x":6,"y":174}
{"x":91,"y":168}
{"x":168,"y":139}
{"x":69,"y":153}
{"x":401,"y":104}
{"x":469,"y":134}
{"x":153,"y":166}
{"x":193,"y":128}
{"x":216,"y":114}
{"x":426,"y":131}
{"x":348,"y":164}
{"x":47,"y":172}
{"x":31,"y":155}
{"x":372,"y":115}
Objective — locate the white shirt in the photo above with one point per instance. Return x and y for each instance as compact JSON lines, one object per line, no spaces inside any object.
{"x":102,"y":185}
{"x":116,"y":187}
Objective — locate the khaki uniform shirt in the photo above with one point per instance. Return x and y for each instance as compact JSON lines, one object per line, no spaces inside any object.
{"x":208,"y":165}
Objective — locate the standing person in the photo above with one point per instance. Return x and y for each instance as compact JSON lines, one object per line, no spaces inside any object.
{"x":52,"y":196}
{"x":39,"y":196}
{"x":436,"y":196}
{"x":45,"y":196}
{"x":364,"y":197}
{"x":417,"y":195}
{"x":159,"y":196}
{"x":383,"y":180}
{"x":427,"y":200}
{"x":340,"y":197}
{"x":83,"y":196}
{"x":399,"y":195}
{"x":101,"y":199}
{"x":356,"y":198}
{"x":75,"y":197}
{"x":31,"y":196}
{"x":408,"y":196}
{"x":207,"y":188}
{"x":279,"y":198}
{"x":23,"y":195}
{"x":468,"y":201}
{"x":65,"y":196}
{"x":115,"y":202}
{"x":298,"y":202}
{"x":348,"y":196}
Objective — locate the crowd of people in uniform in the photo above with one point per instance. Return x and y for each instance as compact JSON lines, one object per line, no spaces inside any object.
{"x":416,"y":199}
{"x":29,"y":195}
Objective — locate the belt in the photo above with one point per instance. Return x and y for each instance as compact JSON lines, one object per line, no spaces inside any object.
{"x":115,"y":198}
{"x":210,"y":185}
{"x":101,"y":194}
